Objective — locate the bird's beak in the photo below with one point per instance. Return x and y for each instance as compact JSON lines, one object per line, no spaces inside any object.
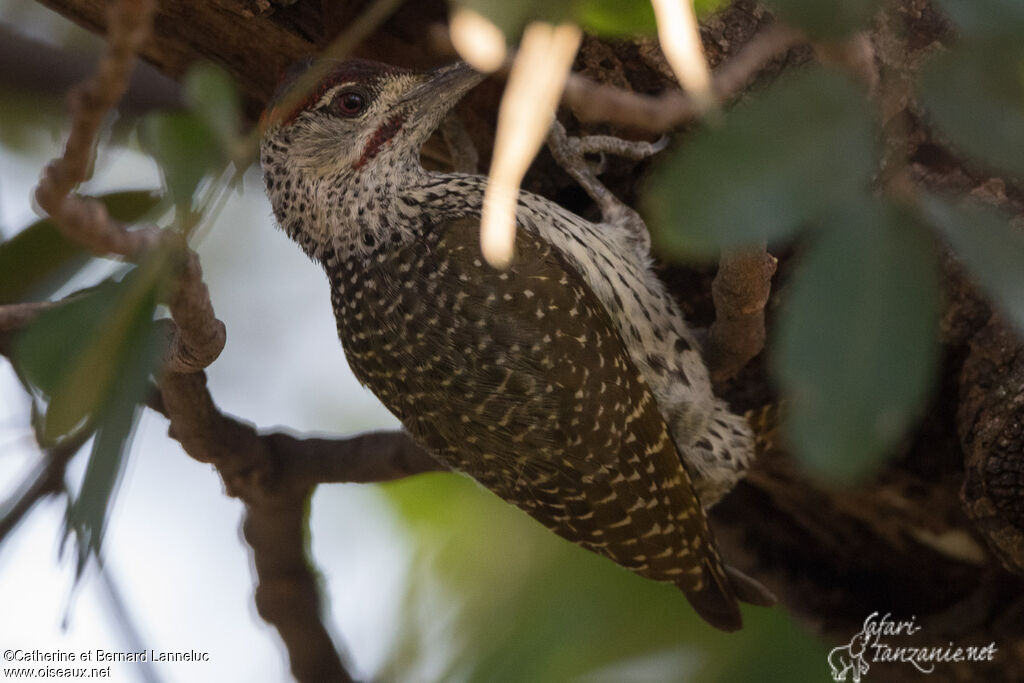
{"x":428,"y":102}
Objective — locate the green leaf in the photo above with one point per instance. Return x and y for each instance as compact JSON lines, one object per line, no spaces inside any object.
{"x":616,"y":17}
{"x":778,"y":162}
{"x":512,"y":17}
{"x":87,"y":515}
{"x":30,"y":119}
{"x":39,"y":260}
{"x":92,"y":357}
{"x":88,"y":512}
{"x":185,"y":148}
{"x":856,"y":345}
{"x":78,"y":354}
{"x":707,"y":7}
{"x":991,"y":250}
{"x":131,"y":206}
{"x":829,"y":19}
{"x":604,"y":17}
{"x":986,"y":20}
{"x":552,"y":612}
{"x":211,"y":94}
{"x":975,"y":95}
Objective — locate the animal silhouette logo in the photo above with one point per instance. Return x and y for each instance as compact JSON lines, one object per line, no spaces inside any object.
{"x":849,"y":659}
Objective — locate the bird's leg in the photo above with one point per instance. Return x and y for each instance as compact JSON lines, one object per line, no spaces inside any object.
{"x":569,"y":153}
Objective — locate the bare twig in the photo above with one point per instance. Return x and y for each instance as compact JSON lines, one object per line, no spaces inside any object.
{"x":287,"y":595}
{"x":736,"y":73}
{"x":592,"y":101}
{"x":13,"y":317}
{"x":86,"y":221}
{"x":47,"y":479}
{"x":274,"y":476}
{"x":200,"y":335}
{"x":256,"y":464}
{"x":856,"y":55}
{"x":129,"y":23}
{"x":740,"y":292}
{"x":365,"y":458}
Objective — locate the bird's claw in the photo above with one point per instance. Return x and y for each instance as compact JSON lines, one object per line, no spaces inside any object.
{"x":570,"y":153}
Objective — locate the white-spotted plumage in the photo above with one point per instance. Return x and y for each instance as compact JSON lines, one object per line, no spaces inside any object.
{"x":569,"y":384}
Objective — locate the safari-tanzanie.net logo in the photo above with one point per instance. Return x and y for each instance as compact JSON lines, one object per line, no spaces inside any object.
{"x":883,"y":640}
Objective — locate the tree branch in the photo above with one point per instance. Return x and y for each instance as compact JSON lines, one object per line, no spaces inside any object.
{"x":14,"y":317}
{"x":592,"y":102}
{"x":256,"y":465}
{"x":990,"y":421}
{"x":129,"y":24}
{"x":200,"y":336}
{"x":740,"y":292}
{"x":46,"y":480}
{"x":274,"y":475}
{"x":287,"y":596}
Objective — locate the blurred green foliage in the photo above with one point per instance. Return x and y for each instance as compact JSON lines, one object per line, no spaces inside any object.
{"x":856,"y":344}
{"x":531,"y":607}
{"x":974,"y":93}
{"x":613,"y":18}
{"x":29,"y":119}
{"x":986,"y":21}
{"x":197,"y":143}
{"x":76,"y":353}
{"x":993,"y":253}
{"x":213,"y":98}
{"x":826,"y":19}
{"x":38,"y":260}
{"x":854,"y":348}
{"x":749,"y":179}
{"x":616,"y":18}
{"x":185,"y":148}
{"x":89,"y":360}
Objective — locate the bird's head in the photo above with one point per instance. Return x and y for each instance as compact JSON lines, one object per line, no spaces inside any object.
{"x":363,"y":113}
{"x":335,"y":157}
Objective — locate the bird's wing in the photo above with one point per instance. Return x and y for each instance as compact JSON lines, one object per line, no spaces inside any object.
{"x":520,"y":379}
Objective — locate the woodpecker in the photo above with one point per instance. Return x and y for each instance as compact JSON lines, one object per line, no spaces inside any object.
{"x":568,"y":384}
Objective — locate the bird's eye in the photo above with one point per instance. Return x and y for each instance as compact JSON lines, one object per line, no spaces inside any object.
{"x":349,"y":103}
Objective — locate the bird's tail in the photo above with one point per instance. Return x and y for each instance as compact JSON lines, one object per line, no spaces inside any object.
{"x":765,"y":422}
{"x":716,"y":602}
{"x":750,"y":590}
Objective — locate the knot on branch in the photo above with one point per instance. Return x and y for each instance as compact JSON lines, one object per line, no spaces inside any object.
{"x":198,"y":336}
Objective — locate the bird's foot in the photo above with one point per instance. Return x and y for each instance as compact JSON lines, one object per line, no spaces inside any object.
{"x":638,"y":150}
{"x":570,"y":153}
